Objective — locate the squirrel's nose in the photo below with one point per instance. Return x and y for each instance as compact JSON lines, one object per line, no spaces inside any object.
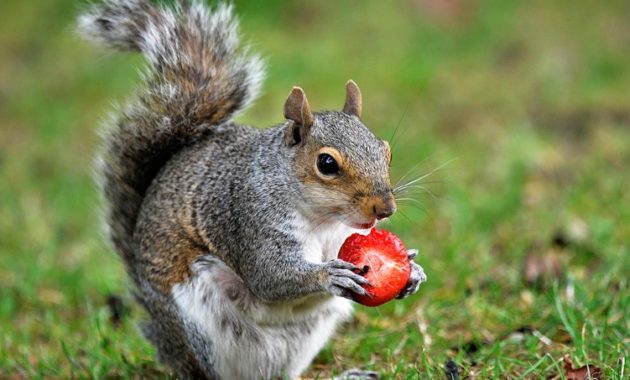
{"x":385,"y":208}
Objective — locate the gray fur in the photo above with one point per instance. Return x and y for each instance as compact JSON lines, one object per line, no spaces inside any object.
{"x":232,"y":252}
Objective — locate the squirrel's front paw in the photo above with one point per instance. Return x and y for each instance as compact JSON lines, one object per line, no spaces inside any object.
{"x":343,"y":281}
{"x":416,"y":277}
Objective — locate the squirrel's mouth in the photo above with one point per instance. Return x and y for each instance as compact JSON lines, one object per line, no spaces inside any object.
{"x":356,"y":221}
{"x":363,"y":226}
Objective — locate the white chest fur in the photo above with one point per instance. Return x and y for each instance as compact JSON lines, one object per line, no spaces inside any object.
{"x":321,"y":242}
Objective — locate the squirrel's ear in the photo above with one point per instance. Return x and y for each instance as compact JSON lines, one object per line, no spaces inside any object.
{"x":296,"y":109}
{"x":353,"y":99}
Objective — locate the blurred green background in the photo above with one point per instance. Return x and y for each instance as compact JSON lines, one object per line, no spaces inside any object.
{"x":518,"y":112}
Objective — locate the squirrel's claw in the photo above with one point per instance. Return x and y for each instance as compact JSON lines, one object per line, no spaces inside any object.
{"x":343,"y":281}
{"x":412,"y":253}
{"x":416,"y":278}
{"x":357,"y":374}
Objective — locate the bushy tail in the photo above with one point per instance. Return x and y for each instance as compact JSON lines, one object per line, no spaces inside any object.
{"x":197,"y":77}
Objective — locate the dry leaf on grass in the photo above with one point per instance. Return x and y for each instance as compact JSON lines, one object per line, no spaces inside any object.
{"x":586,"y":372}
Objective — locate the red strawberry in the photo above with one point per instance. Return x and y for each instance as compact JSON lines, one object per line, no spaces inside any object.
{"x":387,"y":261}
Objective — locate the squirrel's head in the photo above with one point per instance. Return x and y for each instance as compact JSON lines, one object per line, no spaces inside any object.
{"x":342,"y":166}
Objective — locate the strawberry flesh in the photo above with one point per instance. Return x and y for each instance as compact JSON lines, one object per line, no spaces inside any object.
{"x":386,"y":261}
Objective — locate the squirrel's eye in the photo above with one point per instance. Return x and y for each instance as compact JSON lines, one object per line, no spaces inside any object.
{"x":327,"y":165}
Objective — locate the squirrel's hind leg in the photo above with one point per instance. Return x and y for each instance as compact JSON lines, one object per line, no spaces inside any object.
{"x":171,"y":336}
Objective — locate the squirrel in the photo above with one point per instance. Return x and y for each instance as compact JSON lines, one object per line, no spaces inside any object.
{"x":230,"y":233}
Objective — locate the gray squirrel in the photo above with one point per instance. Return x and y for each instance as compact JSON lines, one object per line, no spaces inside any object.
{"x":230,"y":233}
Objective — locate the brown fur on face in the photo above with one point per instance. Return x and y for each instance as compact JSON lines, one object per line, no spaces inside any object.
{"x":361,"y":192}
{"x":349,"y":192}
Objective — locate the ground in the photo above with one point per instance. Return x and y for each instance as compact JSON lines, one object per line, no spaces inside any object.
{"x":517,"y":112}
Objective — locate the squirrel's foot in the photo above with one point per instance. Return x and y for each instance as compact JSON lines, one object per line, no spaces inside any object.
{"x":343,"y":281}
{"x":357,"y":374}
{"x":416,"y":278}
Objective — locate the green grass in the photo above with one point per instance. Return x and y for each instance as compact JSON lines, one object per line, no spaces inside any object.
{"x":525,"y":103}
